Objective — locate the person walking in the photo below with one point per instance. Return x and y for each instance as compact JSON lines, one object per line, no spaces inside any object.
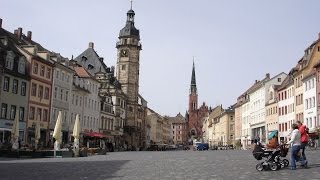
{"x":303,"y":140}
{"x":295,"y":146}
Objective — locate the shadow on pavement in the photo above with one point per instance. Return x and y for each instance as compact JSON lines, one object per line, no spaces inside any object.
{"x":61,"y":170}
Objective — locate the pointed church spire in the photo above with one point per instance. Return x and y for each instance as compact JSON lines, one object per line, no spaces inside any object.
{"x":193,"y":86}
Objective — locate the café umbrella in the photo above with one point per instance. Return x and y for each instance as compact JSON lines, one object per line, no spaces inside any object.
{"x":57,"y":132}
{"x":15,"y":132}
{"x":76,"y":135}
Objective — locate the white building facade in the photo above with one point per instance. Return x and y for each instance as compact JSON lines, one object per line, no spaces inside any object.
{"x":309,"y":99}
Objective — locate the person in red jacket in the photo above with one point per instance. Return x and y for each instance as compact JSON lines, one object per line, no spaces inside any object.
{"x":303,"y":139}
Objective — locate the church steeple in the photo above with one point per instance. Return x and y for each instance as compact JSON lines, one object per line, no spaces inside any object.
{"x":130,"y":30}
{"x":193,"y":86}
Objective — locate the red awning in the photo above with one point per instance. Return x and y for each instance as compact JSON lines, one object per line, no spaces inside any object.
{"x":94,"y":134}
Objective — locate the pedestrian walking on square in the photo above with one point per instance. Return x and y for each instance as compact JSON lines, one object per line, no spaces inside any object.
{"x":295,"y":146}
{"x":303,"y":140}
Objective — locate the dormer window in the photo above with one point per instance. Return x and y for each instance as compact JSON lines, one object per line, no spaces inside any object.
{"x":84,"y":58}
{"x":22,"y":65}
{"x":9,"y":60}
{"x":90,"y":66}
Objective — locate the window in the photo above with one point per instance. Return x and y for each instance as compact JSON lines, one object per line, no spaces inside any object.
{"x":46,"y":93}
{"x":68,"y":77}
{"x":15,"y":86}
{"x":55,"y":92}
{"x":77,"y":100}
{"x":39,"y":112}
{"x":45,"y":115}
{"x":279,"y":79}
{"x":42,"y":70}
{"x":33,"y":89}
{"x":4,"y":110}
{"x":13,"y":112}
{"x":6,"y":83}
{"x":80,"y":101}
{"x":67,"y":94}
{"x":62,"y":76}
{"x":61,"y":94}
{"x":32,"y":111}
{"x":48,"y":73}
{"x":21,"y":114}
{"x":9,"y":60}
{"x":40,"y":93}
{"x":23,"y":88}
{"x":123,"y":67}
{"x":57,"y":74}
{"x":35,"y":68}
{"x":22,"y":66}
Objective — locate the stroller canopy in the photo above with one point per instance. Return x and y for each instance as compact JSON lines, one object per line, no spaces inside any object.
{"x":272,"y":134}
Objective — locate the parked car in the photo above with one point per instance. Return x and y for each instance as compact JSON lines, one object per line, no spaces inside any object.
{"x":202,"y":146}
{"x":171,"y":147}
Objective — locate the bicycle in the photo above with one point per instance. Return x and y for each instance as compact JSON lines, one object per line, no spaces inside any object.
{"x":312,"y":145}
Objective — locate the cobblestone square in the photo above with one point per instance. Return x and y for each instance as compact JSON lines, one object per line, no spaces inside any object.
{"x":172,"y":165}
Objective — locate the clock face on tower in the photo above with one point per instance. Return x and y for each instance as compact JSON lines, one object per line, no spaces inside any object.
{"x":124,"y":53}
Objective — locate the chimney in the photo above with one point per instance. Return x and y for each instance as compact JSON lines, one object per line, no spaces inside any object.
{"x":15,"y":32}
{"x":0,"y":23}
{"x":29,"y":35}
{"x":19,"y":32}
{"x":91,"y":45}
{"x":267,"y":75}
{"x":101,"y":59}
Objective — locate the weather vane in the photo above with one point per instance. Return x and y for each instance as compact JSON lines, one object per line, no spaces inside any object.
{"x":131,"y":3}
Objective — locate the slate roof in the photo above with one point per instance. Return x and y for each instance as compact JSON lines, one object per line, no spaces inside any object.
{"x":93,"y":59}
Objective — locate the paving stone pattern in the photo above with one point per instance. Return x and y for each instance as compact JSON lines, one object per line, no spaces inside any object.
{"x":172,"y":165}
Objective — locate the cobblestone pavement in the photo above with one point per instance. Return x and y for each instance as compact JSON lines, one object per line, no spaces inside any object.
{"x":172,"y":165}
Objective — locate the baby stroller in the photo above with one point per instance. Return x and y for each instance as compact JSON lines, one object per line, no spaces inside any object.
{"x":273,"y":159}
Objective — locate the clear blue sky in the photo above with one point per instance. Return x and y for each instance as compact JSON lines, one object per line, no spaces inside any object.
{"x":234,"y":42}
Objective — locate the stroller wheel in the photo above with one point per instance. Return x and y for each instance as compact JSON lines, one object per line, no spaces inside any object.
{"x":273,"y":166}
{"x":285,"y":162}
{"x":259,"y":166}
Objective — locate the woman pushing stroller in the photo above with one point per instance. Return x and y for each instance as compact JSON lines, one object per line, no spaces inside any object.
{"x":295,"y":147}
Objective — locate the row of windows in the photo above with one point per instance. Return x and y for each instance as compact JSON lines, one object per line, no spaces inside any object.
{"x":310,"y":103}
{"x":270,"y":111}
{"x":310,"y":84}
{"x":312,"y":122}
{"x":89,"y":103}
{"x":12,"y":112}
{"x":299,"y":117}
{"x":286,"y":109}
{"x":63,"y":76}
{"x":44,"y":71}
{"x":40,"y":91}
{"x":285,"y":94}
{"x":283,"y":127}
{"x":59,"y":94}
{"x":87,"y":122}
{"x":39,"y":115}
{"x":15,"y":86}
{"x":10,"y":62}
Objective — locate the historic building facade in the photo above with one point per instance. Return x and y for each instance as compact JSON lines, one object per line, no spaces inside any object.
{"x":179,"y":129}
{"x":61,"y":96}
{"x":310,"y":101}
{"x":14,"y":91}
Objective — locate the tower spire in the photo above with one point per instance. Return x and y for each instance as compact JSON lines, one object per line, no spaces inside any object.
{"x":193,"y":86}
{"x":131,"y":4}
